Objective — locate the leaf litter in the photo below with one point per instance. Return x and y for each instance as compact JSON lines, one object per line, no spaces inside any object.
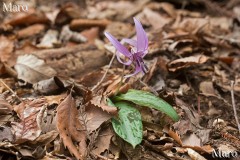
{"x":59,"y":52}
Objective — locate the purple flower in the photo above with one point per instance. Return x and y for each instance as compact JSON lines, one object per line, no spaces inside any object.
{"x":138,"y":49}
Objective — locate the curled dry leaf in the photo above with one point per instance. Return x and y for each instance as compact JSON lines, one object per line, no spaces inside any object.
{"x":66,"y":35}
{"x":100,"y":101}
{"x":186,"y":62}
{"x":48,"y":86}
{"x":28,"y":112}
{"x":50,"y":39}
{"x":70,"y":128}
{"x":32,"y":69}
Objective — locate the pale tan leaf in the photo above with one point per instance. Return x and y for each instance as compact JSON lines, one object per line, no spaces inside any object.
{"x":186,"y":62}
{"x":32,"y":69}
{"x":70,"y":128}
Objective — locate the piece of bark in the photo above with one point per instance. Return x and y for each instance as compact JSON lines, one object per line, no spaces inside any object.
{"x":73,"y":61}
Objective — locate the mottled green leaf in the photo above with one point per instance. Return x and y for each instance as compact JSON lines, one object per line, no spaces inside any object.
{"x":147,"y":99}
{"x":128,"y":124}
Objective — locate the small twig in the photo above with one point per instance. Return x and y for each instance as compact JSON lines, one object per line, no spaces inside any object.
{"x":10,"y":90}
{"x":103,"y":77}
{"x":234,"y":105}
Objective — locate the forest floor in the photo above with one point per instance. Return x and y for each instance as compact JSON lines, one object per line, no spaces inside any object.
{"x":56,"y":75}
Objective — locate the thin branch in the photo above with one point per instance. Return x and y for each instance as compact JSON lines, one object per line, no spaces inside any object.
{"x":103,"y":77}
{"x":10,"y":90}
{"x":234,"y":105}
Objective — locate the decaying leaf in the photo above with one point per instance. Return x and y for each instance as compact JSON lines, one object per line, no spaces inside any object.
{"x":29,"y":126}
{"x":48,"y":86}
{"x":32,"y":69}
{"x":50,"y":39}
{"x":70,"y":128}
{"x":6,"y":48}
{"x":186,"y":62}
{"x":100,"y":101}
{"x":5,"y":107}
{"x":32,"y":30}
{"x":103,"y":141}
{"x":95,"y":117}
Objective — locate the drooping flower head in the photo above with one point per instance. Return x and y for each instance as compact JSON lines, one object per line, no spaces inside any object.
{"x":138,"y":49}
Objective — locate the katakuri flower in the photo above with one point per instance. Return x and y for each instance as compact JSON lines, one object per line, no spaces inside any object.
{"x":138,"y":49}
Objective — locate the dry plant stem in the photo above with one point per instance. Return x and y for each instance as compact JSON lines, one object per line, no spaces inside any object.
{"x":152,"y":89}
{"x":121,"y":82}
{"x":103,"y":77}
{"x":234,"y":105}
{"x":10,"y":90}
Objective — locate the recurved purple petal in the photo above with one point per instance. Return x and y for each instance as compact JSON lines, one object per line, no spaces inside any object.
{"x":132,"y":42}
{"x":122,"y":49}
{"x":128,"y":62}
{"x":142,"y":40}
{"x":137,"y":70}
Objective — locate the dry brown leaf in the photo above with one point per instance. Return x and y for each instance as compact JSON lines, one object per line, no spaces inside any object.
{"x":95,"y":117}
{"x":191,"y":140}
{"x":32,"y":30}
{"x":32,"y":69}
{"x":29,"y":112}
{"x":155,"y":19}
{"x":100,"y":101}
{"x":186,"y":62}
{"x":103,"y":141}
{"x":5,"y":107}
{"x":55,"y":99}
{"x":70,"y":128}
{"x":175,"y":136}
{"x":44,"y":139}
{"x":6,"y":48}
{"x":207,"y":88}
{"x":30,"y":18}
{"x":91,"y":34}
{"x":6,"y":134}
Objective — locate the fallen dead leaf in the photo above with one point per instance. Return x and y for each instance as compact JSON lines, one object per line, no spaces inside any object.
{"x":100,"y":101}
{"x":5,"y":107}
{"x":155,"y":19}
{"x":49,"y":86}
{"x":50,"y":39}
{"x":29,"y":126}
{"x":186,"y":62}
{"x":70,"y":128}
{"x":95,"y":116}
{"x":6,"y":48}
{"x":6,"y":134}
{"x":32,"y":30}
{"x":103,"y":141}
{"x":194,"y":155}
{"x":28,"y":19}
{"x":32,"y":69}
